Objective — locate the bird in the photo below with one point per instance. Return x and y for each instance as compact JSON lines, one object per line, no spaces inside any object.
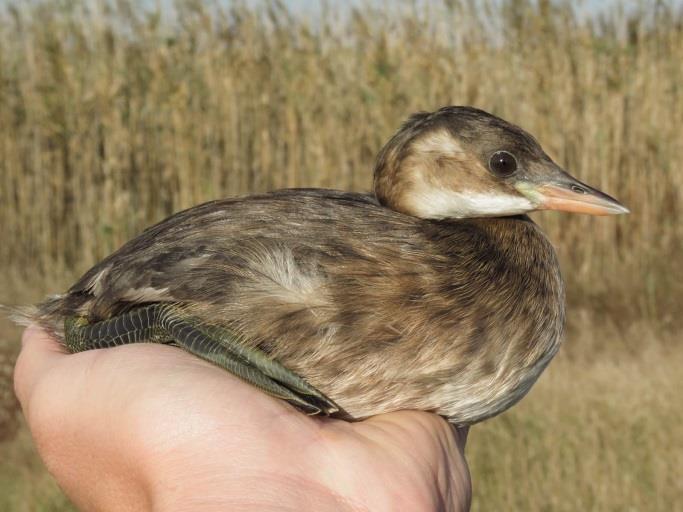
{"x":434,"y":292}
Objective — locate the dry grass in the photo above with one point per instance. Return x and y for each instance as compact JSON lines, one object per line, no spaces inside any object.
{"x":602,"y":435}
{"x":111,"y":118}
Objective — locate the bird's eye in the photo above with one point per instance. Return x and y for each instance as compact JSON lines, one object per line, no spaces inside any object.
{"x":502,"y":163}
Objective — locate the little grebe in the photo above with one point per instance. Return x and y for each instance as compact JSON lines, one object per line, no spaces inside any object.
{"x":436,"y":293}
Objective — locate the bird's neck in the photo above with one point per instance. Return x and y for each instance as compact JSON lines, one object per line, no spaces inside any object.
{"x":516,"y":240}
{"x":507,"y":266}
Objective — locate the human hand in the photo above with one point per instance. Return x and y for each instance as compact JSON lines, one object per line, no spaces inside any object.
{"x":149,"y":427}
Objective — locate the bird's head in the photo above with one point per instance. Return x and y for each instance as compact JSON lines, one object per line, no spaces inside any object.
{"x":462,"y":162}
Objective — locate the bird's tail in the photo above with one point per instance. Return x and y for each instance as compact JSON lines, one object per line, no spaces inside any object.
{"x":46,"y":315}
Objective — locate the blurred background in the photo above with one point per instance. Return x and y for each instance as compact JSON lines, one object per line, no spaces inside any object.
{"x":116,"y":113}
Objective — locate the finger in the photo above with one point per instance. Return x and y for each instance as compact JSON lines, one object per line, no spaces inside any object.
{"x":39,"y":353}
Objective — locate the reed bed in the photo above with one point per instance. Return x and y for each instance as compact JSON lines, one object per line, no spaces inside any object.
{"x":113,"y":116}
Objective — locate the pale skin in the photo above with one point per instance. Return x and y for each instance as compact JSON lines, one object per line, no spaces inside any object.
{"x":150,"y":427}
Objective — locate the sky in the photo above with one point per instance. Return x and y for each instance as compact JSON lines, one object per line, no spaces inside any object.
{"x":313,"y":6}
{"x":588,"y":5}
{"x":310,"y":8}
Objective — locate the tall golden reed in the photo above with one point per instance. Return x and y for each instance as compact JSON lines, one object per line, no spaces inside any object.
{"x":112,"y":117}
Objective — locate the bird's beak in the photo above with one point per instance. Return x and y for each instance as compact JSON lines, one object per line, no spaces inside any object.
{"x":566,"y":193}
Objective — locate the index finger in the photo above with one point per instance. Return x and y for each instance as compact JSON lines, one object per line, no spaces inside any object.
{"x":39,"y":353}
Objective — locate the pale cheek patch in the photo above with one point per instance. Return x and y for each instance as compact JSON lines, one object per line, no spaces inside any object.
{"x":436,"y":203}
{"x":440,"y":142}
